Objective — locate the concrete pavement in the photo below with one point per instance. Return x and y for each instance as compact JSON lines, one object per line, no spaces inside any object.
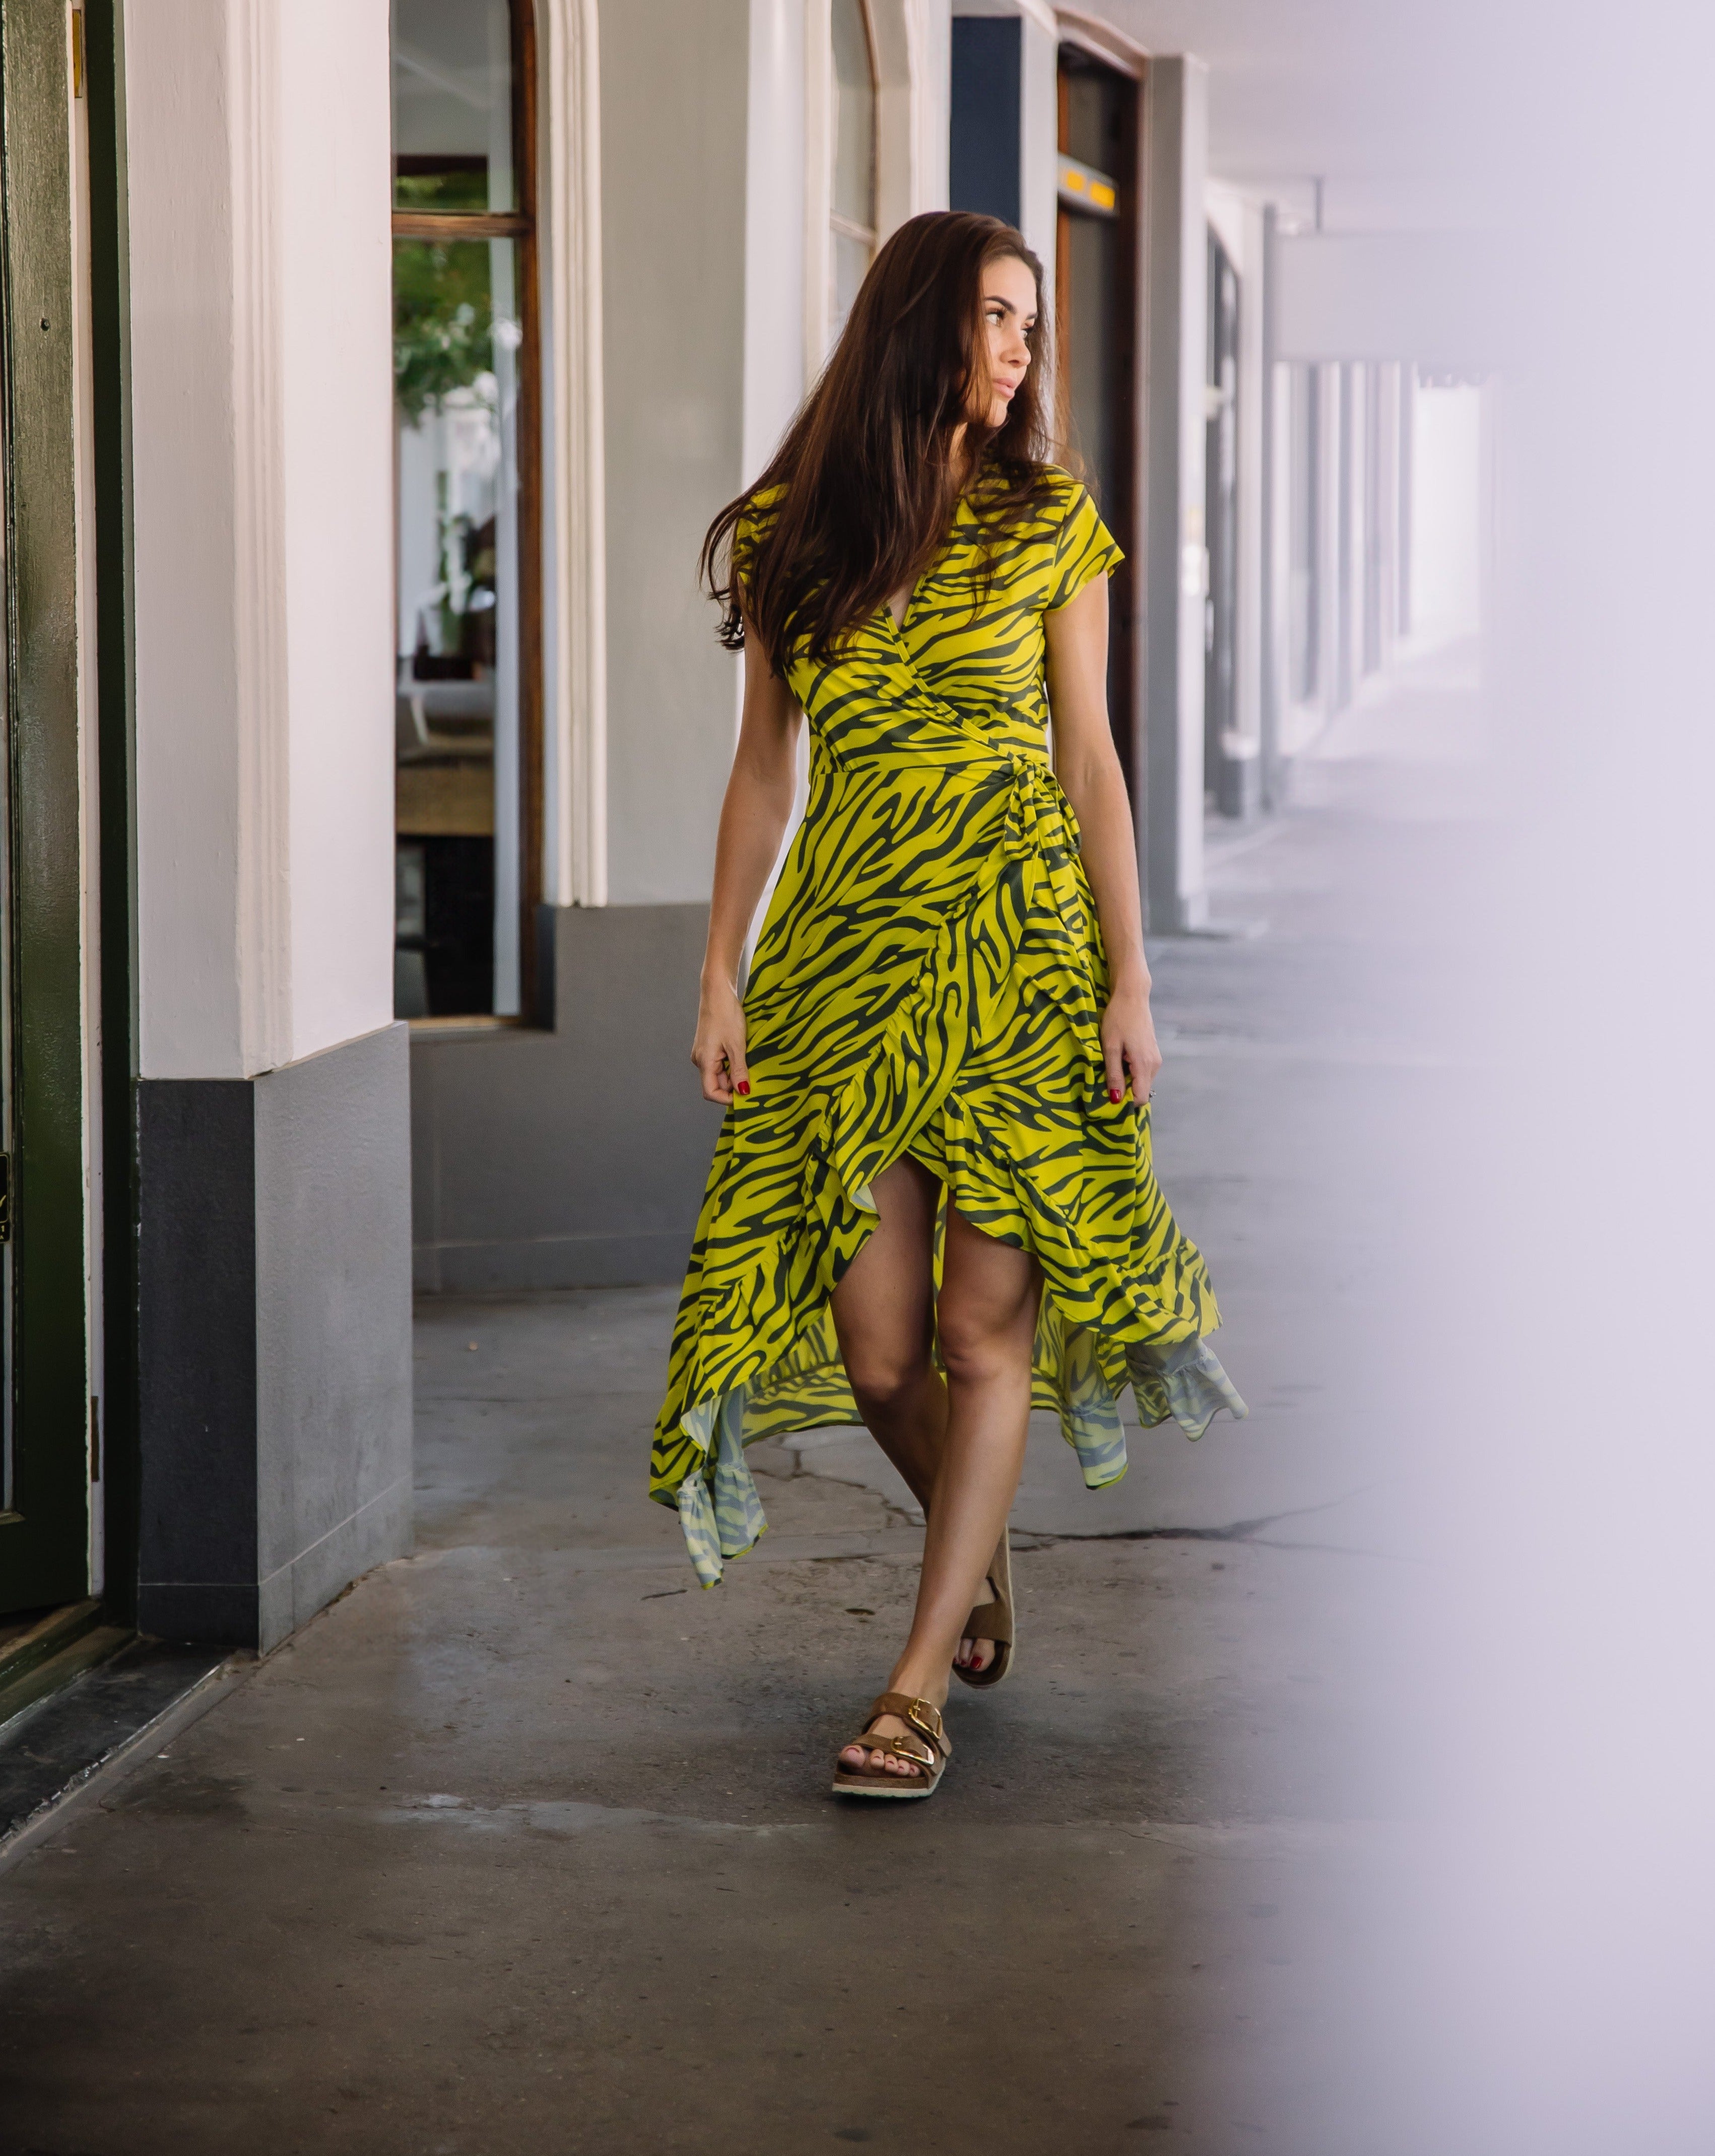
{"x":525,"y":1845}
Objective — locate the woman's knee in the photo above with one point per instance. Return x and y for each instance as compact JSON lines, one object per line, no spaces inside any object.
{"x":976,"y":1347}
{"x":886,"y":1383}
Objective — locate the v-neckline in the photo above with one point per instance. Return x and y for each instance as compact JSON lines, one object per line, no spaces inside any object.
{"x":901,"y":622}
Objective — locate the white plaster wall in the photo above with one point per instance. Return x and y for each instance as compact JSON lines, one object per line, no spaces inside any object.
{"x":1431,"y":296}
{"x":674,"y":79}
{"x":183,"y":528}
{"x":1447,"y":513}
{"x":931,"y":23}
{"x":260,"y":351}
{"x":336,"y":414}
{"x":1039,"y":142}
{"x":774,"y":229}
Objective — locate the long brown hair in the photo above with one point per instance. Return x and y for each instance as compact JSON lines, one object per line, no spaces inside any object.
{"x":867,"y":466}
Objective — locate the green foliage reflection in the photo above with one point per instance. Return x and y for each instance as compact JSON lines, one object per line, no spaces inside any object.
{"x":442,"y":321}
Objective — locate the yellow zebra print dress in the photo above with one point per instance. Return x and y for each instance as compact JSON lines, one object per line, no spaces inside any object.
{"x":930,"y":980}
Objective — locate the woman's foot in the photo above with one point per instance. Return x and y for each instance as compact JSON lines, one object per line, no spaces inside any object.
{"x":860,"y":1758}
{"x":976,"y":1653}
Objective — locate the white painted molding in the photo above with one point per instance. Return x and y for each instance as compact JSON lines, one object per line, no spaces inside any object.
{"x":264,"y":894}
{"x":1037,"y":11}
{"x":817,"y":182}
{"x":898,"y":151}
{"x":1102,"y":39}
{"x":929,"y":56}
{"x":575,"y":871}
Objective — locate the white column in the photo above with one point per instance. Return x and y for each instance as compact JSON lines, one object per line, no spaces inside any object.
{"x":1251,"y":658}
{"x":575,"y":609}
{"x":774,"y":229}
{"x":1176,"y":568}
{"x":261,"y":365}
{"x":1039,"y":140}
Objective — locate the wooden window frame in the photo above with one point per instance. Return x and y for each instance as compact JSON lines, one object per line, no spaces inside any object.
{"x":521,"y":226}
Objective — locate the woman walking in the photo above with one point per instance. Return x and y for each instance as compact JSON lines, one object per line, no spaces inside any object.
{"x":932,"y":1202}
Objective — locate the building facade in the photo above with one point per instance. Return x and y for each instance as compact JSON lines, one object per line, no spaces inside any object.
{"x":372,"y":375}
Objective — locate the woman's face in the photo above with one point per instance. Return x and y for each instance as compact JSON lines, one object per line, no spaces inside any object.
{"x":1009,"y":311}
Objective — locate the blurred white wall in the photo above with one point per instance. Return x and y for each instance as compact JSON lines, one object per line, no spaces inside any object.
{"x":1446,"y":535}
{"x":674,"y":86}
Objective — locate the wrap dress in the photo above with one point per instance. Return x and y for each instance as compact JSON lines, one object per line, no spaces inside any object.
{"x":930,"y":980}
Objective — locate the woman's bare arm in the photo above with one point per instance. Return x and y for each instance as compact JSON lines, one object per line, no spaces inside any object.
{"x":1088,"y":769}
{"x":753,"y":820}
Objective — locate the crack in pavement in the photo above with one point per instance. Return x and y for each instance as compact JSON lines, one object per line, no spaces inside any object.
{"x":1239,"y":1531}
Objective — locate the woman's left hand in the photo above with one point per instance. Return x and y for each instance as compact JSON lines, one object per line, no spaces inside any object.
{"x":1129,"y":1044}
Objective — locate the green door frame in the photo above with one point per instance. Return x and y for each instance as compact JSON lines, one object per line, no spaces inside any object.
{"x":44,"y":1537}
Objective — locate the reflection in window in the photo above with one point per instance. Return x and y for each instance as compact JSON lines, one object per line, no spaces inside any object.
{"x":462,"y":358}
{"x":853,"y":237}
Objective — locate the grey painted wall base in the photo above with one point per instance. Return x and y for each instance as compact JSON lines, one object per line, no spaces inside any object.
{"x":275,"y":1340}
{"x":573,"y":1157}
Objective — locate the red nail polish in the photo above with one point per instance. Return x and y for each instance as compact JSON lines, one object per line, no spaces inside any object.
{"x":744,"y":1087}
{"x":1113,"y":1096}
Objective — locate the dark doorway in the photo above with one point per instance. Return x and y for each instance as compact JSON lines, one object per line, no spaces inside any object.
{"x":1095,"y":308}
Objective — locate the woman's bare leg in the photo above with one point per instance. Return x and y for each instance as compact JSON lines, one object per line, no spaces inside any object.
{"x":987,"y":1319}
{"x":884,"y":1315}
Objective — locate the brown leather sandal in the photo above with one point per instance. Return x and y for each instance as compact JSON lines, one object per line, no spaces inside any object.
{"x":992,"y":1620}
{"x":929,"y":1749}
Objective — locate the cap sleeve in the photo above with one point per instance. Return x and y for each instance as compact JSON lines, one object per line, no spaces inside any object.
{"x":755,"y":521}
{"x":1086,"y":548}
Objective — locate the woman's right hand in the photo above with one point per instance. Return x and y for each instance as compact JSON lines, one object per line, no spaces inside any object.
{"x":718,"y":1051}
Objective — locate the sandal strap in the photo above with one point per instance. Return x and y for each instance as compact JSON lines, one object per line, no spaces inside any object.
{"x":989,"y":1620}
{"x":918,"y":1713}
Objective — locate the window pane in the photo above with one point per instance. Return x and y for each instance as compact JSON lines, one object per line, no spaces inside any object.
{"x":854,"y":117}
{"x":453,"y":105}
{"x":455,"y":378}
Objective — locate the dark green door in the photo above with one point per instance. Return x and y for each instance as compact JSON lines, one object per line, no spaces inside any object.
{"x":45,"y":1485}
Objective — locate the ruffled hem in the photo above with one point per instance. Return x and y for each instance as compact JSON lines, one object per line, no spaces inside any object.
{"x":721,"y":1513}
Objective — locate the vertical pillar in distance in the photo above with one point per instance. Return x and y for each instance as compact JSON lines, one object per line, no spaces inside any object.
{"x":1174,"y":280}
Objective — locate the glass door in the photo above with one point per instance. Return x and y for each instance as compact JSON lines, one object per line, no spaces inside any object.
{"x":45,"y":1393}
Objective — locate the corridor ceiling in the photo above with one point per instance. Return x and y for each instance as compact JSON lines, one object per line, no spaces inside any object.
{"x":1381,"y":98}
